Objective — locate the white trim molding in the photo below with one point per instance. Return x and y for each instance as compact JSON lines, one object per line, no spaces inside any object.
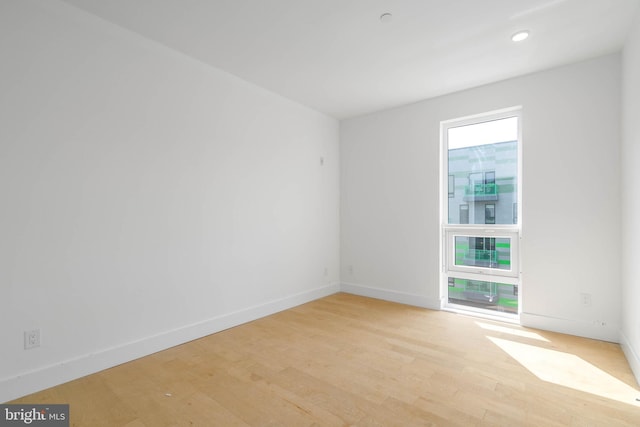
{"x":391,"y":295}
{"x":631,"y":355}
{"x":68,"y":370}
{"x":581,"y":328}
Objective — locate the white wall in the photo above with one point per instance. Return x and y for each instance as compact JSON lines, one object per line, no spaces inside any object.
{"x":630,"y":337}
{"x":571,"y":205}
{"x":147,"y":199}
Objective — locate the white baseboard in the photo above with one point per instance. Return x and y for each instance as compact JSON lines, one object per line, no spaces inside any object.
{"x":631,"y":355}
{"x":64,"y":371}
{"x":580,"y":328}
{"x":389,"y":295}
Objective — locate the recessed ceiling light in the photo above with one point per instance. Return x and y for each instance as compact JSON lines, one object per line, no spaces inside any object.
{"x":520,"y":36}
{"x":385,"y":18}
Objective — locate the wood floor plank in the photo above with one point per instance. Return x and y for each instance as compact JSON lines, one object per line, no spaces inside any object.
{"x":346,"y":360}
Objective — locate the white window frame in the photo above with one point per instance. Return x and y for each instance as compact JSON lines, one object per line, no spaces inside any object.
{"x":494,"y":232}
{"x":449,"y":231}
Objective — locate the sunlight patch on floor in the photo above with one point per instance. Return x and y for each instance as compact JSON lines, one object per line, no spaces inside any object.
{"x":512,"y":331}
{"x":568,"y":370}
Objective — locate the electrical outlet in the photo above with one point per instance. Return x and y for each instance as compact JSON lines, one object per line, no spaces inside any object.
{"x":31,"y":339}
{"x":585,"y":299}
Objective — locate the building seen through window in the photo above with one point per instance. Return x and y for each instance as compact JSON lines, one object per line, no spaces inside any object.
{"x":482,"y":171}
{"x":486,"y":196}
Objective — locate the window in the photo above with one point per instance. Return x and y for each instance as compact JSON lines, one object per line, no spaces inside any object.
{"x":480,"y":293}
{"x":486,"y":252}
{"x":480,"y":247}
{"x":452,"y":185}
{"x":490,"y":178}
{"x":476,"y":179}
{"x":487,"y":153}
{"x":464,"y":214}
{"x":489,"y":213}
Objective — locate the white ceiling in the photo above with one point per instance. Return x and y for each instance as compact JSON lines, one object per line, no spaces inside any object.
{"x":337,"y":57}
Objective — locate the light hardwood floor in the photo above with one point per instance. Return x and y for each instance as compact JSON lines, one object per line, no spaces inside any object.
{"x":348,"y":360}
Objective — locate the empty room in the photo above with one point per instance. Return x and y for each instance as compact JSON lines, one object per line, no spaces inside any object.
{"x":319,"y":213}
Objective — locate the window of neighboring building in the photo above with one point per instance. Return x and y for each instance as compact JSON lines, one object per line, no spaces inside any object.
{"x":490,"y":177}
{"x":489,"y":213}
{"x":464,"y":214}
{"x":452,"y":185}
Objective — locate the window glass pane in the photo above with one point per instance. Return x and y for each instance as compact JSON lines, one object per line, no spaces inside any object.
{"x":485,"y":252}
{"x":483,"y":159}
{"x":483,"y":294}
